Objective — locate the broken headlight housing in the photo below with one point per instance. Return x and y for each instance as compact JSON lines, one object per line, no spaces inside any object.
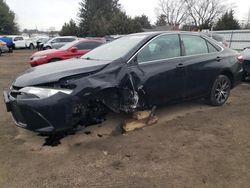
{"x":44,"y":92}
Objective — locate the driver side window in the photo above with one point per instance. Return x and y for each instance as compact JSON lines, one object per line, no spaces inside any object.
{"x":163,"y":47}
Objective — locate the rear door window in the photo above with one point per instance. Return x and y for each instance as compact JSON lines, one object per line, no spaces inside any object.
{"x":194,"y":45}
{"x":160,"y":48}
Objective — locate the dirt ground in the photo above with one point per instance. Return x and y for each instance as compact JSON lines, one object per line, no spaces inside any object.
{"x":193,"y":145}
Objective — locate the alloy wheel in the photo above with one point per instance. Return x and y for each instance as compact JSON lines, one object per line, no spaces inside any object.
{"x":222,"y":90}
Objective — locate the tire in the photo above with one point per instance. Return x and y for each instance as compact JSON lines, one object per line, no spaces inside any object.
{"x":47,"y":48}
{"x":10,"y":50}
{"x":0,"y":52}
{"x":220,"y":91}
{"x":31,"y":46}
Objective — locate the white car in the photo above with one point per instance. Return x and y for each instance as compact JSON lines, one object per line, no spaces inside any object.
{"x":31,"y":43}
{"x":18,"y":40}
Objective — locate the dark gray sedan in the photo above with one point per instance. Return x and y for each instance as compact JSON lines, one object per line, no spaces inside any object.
{"x":135,"y":72}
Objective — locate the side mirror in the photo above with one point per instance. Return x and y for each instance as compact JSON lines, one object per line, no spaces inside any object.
{"x":74,"y":49}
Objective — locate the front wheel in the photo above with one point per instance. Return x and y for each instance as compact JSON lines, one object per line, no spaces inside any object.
{"x":220,"y":91}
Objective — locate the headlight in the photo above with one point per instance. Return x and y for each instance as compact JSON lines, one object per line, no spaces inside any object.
{"x":39,"y":57}
{"x":44,"y":92}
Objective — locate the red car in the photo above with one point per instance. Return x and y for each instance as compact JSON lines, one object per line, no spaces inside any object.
{"x":70,"y":50}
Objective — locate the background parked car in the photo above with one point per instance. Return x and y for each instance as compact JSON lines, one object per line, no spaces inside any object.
{"x":74,"y":49}
{"x":218,"y":38}
{"x":40,"y":43}
{"x":58,"y":42}
{"x":245,"y":58}
{"x":18,"y":40}
{"x":31,"y":43}
{"x":8,"y":42}
{"x":3,"y":47}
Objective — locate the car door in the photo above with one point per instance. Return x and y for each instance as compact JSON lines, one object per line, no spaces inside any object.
{"x":199,"y":58}
{"x":57,"y":43}
{"x":163,"y":77}
{"x":19,"y":42}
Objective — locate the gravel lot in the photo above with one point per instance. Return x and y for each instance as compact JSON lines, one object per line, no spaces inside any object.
{"x":193,"y":145}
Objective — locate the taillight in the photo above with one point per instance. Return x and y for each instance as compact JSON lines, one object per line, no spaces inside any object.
{"x":240,"y":59}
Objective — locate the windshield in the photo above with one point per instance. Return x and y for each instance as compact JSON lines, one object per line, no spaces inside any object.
{"x":115,"y":49}
{"x":68,"y":45}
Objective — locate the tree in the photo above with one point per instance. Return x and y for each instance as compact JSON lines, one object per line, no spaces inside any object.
{"x":248,"y":20}
{"x":204,"y":12}
{"x":105,"y":17}
{"x":143,"y":21}
{"x":227,"y":22}
{"x":123,"y":24}
{"x":161,"y":20}
{"x":174,"y":11}
{"x":7,"y":20}
{"x":94,"y":16}
{"x":69,"y":29}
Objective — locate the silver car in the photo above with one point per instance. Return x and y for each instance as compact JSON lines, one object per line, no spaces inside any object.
{"x":3,"y":47}
{"x":58,"y":42}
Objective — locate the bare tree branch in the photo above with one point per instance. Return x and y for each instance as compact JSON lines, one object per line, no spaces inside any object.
{"x":174,"y":10}
{"x":205,"y":12}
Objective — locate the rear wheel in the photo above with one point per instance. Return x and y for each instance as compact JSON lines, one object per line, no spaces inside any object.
{"x":220,"y":91}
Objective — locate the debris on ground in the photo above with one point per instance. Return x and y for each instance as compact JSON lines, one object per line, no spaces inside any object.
{"x":140,"y":119}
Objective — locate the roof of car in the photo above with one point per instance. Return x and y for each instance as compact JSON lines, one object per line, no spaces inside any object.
{"x":155,"y":33}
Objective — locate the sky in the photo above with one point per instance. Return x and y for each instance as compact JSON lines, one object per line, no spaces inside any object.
{"x":45,"y":14}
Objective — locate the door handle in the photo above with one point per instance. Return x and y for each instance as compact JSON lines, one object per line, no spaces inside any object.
{"x":218,"y":58}
{"x":180,"y":66}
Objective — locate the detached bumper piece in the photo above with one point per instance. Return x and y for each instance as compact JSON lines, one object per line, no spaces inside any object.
{"x":48,"y":116}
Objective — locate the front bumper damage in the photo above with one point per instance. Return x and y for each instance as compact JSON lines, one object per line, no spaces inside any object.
{"x":51,"y":115}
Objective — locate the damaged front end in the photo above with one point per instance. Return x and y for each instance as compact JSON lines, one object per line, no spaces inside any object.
{"x":82,"y":99}
{"x":61,"y":96}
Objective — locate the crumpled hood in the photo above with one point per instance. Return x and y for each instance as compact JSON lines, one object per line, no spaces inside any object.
{"x":53,"y":72}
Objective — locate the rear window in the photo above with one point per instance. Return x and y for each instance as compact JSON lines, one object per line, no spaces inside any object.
{"x":87,"y":45}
